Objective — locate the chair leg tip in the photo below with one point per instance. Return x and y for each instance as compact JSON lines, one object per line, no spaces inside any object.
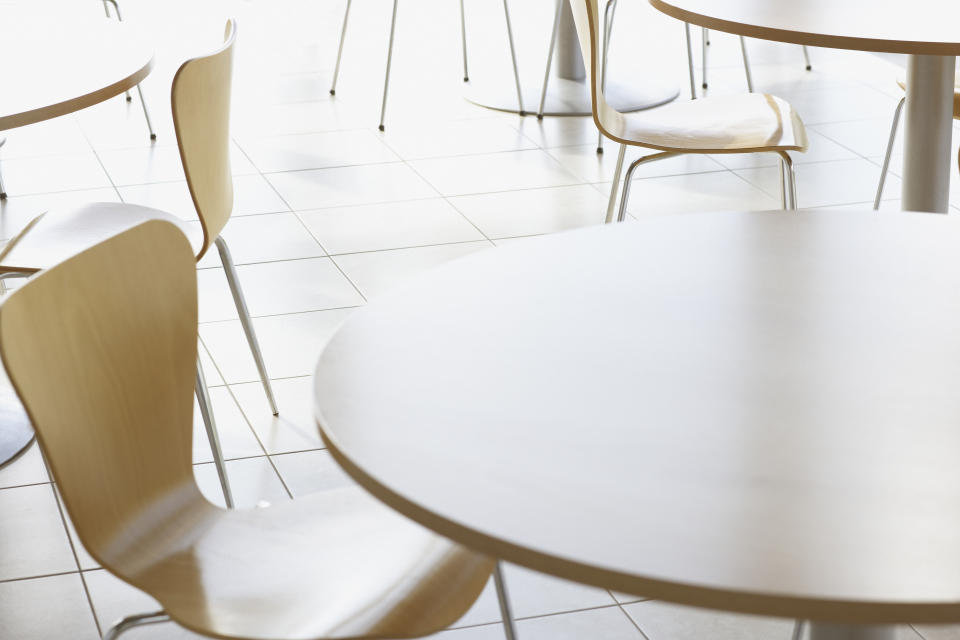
{"x":129,"y":98}
{"x":153,"y":136}
{"x":466,"y":79}
{"x":333,"y":92}
{"x":380,"y":127}
{"x":3,"y":195}
{"x":809,"y":67}
{"x":599,"y":150}
{"x":704,"y":85}
{"x":539,"y":116}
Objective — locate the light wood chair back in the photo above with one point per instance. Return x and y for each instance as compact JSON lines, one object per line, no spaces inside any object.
{"x":586,"y":16}
{"x":201,"y":118}
{"x":104,"y":360}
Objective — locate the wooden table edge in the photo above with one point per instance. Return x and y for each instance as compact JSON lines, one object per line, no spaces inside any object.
{"x":753,"y":603}
{"x":809,"y":39}
{"x":77,"y":103}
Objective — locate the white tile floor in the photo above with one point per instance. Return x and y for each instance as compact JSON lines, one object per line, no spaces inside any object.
{"x":331,"y":212}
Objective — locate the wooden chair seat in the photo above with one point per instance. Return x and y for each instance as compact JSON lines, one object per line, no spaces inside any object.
{"x":337,"y":564}
{"x":58,"y":235}
{"x":725,"y":124}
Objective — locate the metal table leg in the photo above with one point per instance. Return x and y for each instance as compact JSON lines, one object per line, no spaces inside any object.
{"x":929,"y":118}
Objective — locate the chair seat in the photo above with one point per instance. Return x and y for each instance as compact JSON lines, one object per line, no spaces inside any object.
{"x":337,"y":564}
{"x":57,"y":235}
{"x":902,"y":82}
{"x":726,"y":124}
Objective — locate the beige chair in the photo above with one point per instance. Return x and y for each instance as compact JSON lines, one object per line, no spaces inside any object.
{"x":902,"y":82}
{"x":747,"y":123}
{"x":101,"y":350}
{"x":201,"y":113}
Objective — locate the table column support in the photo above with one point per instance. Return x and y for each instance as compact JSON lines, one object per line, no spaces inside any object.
{"x":569,"y":59}
{"x":827,"y":631}
{"x":929,"y":118}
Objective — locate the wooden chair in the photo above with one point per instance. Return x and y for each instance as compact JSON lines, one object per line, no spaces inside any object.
{"x":463,"y":35}
{"x":102,"y":350}
{"x":201,"y":113}
{"x":902,"y":82}
{"x":747,"y":123}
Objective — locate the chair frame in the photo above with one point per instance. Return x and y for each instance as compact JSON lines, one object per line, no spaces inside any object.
{"x":463,"y":36}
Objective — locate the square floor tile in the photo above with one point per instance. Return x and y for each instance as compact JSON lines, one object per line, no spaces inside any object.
{"x":494,"y":172}
{"x":523,"y":213}
{"x":455,"y":138}
{"x":49,"y":174}
{"x":309,"y":472}
{"x":277,"y":287}
{"x":344,"y":186}
{"x":237,"y":439}
{"x":33,"y":540}
{"x":290,"y":344}
{"x":317,"y":150}
{"x":265,"y":238}
{"x":50,"y":608}
{"x":253,"y":482}
{"x":376,"y":272}
{"x":393,"y":225}
{"x":295,"y":429}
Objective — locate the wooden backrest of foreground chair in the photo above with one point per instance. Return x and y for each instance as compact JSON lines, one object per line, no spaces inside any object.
{"x":200,"y":98}
{"x":102,"y":350}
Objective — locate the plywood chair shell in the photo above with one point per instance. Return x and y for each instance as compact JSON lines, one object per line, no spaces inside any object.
{"x":102,"y":351}
{"x":200,"y":99}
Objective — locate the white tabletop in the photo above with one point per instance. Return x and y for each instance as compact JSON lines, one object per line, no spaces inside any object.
{"x":918,"y":26}
{"x":55,"y":61}
{"x":747,"y":411}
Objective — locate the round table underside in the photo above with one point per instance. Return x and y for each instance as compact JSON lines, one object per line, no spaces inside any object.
{"x":754,"y":412}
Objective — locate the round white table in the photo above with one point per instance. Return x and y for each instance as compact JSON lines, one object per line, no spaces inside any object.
{"x":754,"y":412}
{"x":55,"y":63}
{"x":925,"y":29}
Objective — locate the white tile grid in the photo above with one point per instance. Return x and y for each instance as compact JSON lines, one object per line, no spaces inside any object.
{"x":330,"y":211}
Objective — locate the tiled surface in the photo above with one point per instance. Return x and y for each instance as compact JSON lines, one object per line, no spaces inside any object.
{"x":330,"y":212}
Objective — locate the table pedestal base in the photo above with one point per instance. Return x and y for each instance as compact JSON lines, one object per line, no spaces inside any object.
{"x":927,"y":164}
{"x":569,"y":97}
{"x":824,"y":631}
{"x":16,"y":432}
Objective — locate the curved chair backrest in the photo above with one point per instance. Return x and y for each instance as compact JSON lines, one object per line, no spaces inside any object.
{"x":586,"y":15}
{"x":201,"y":117}
{"x":102,"y":350}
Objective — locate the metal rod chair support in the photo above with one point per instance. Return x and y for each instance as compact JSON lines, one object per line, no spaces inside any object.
{"x":889,"y":154}
{"x":206,"y":412}
{"x":140,"y":620}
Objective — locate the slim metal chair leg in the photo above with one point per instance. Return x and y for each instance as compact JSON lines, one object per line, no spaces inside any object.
{"x":213,"y":437}
{"x":509,"y":630}
{"x":783,"y":184}
{"x":513,"y":58}
{"x":386,"y":79}
{"x":615,"y":187}
{"x":146,"y":114}
{"x":343,"y":36}
{"x":3,"y":192}
{"x":140,"y":620}
{"x":106,"y":8}
{"x":693,"y":79}
{"x":706,"y":43}
{"x":628,"y":179}
{"x":797,"y":630}
{"x":791,"y":176}
{"x":746,"y":64}
{"x":608,"y":14}
{"x":806,"y":58}
{"x":233,"y":280}
{"x":889,"y":154}
{"x":463,"y":38}
{"x":553,"y":44}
